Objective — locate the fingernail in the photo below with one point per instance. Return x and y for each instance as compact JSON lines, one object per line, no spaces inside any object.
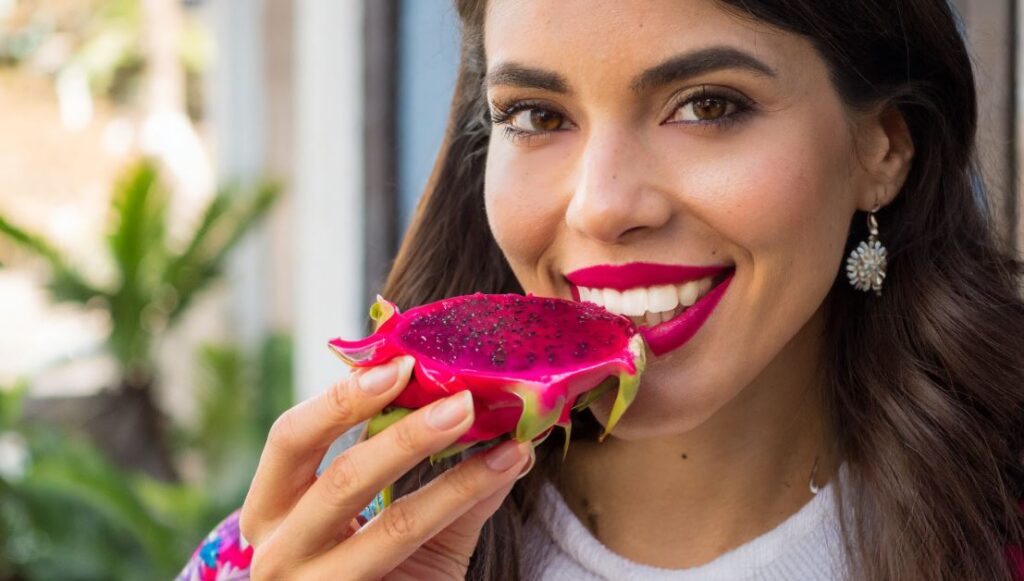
{"x":529,"y":463}
{"x":504,"y":457}
{"x":450,"y":413}
{"x":377,"y":380}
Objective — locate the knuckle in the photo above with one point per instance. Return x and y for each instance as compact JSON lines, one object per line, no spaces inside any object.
{"x":245,"y":527}
{"x":282,"y":432}
{"x":265,"y":565}
{"x":342,"y":479}
{"x":463,"y":483}
{"x":339,"y":402}
{"x":398,"y":521}
{"x":445,"y":563}
{"x":404,"y":438}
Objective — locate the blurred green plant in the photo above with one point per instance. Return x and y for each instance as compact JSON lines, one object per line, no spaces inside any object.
{"x":67,"y":509}
{"x":155,"y":282}
{"x":66,"y":512}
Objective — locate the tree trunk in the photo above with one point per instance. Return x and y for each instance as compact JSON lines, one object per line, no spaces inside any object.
{"x":124,"y":423}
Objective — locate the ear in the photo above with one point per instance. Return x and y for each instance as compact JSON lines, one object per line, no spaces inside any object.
{"x":885,"y":150}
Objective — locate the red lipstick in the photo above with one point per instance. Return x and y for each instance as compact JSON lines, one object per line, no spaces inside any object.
{"x":676,"y":332}
{"x":634,"y":274}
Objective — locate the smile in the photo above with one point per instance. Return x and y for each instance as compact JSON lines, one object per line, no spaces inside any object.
{"x":668,"y":303}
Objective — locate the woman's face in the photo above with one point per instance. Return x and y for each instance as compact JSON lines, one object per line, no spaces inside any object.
{"x":674,"y":133}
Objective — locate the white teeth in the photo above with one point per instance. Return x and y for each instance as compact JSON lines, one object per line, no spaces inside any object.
{"x":634,"y":302}
{"x":662,"y":298}
{"x":688,"y":293}
{"x":705,"y":286}
{"x":648,"y":305}
{"x":612,"y":300}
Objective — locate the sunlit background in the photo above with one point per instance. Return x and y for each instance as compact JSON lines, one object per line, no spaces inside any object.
{"x":194,"y":197}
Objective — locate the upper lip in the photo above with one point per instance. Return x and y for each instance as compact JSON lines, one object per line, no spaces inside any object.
{"x":640,"y":274}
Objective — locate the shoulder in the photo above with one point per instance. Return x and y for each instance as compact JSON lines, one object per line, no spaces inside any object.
{"x":224,"y":555}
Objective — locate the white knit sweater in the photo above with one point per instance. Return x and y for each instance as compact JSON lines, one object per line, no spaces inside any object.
{"x":804,"y":547}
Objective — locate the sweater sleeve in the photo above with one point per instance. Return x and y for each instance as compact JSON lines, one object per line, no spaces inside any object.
{"x":223,"y":556}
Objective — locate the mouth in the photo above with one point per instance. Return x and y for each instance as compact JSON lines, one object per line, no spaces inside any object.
{"x":668,"y":313}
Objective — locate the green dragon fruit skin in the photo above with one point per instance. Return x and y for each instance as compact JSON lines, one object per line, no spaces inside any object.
{"x":528,"y":361}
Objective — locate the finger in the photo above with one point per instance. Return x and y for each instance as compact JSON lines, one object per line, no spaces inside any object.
{"x":447,"y":556}
{"x":321,"y":516}
{"x":299,"y":438}
{"x":462,"y":536}
{"x":395,"y":534}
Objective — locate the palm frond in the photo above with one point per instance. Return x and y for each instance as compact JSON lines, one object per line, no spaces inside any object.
{"x":66,"y":284}
{"x":229,"y":217}
{"x":137,"y":243}
{"x":77,"y":470}
{"x":137,"y":231}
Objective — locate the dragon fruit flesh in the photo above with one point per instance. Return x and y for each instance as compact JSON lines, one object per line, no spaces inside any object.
{"x":527,"y":360}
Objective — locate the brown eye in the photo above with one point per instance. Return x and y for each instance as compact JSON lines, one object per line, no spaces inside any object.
{"x":538,"y":120}
{"x":706,"y":109}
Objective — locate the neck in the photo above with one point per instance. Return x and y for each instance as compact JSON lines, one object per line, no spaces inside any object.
{"x":680,"y":501}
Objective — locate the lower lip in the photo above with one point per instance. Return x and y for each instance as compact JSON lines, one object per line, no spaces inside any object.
{"x":676,"y":332}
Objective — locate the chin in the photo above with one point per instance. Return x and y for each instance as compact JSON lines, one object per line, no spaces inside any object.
{"x":653,"y":417}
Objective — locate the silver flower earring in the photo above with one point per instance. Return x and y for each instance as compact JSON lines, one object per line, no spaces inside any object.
{"x":865,"y":267}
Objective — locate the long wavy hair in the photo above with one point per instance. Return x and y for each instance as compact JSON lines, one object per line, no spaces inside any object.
{"x":925,"y":384}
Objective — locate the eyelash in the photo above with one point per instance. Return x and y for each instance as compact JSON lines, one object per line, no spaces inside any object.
{"x":744,"y":106}
{"x":502,"y":114}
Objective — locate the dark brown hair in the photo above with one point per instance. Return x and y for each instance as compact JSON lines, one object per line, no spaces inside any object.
{"x":925,"y":383}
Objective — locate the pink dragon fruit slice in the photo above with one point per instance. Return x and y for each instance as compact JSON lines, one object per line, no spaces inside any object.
{"x":527,"y":360}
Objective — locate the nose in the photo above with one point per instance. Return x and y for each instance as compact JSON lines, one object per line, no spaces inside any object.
{"x":616,"y":191}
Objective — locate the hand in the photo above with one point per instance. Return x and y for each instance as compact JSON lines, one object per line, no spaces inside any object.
{"x":304,"y":527}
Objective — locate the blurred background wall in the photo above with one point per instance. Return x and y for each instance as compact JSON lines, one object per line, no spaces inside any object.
{"x":194,"y":196}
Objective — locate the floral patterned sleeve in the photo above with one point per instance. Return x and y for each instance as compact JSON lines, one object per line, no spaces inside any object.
{"x":225,"y":556}
{"x":222,"y":556}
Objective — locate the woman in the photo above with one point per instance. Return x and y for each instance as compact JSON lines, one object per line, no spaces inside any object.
{"x":810,"y":429}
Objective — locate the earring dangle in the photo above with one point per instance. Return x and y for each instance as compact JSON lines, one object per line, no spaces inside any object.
{"x":865,"y":267}
{"x":814,"y":472}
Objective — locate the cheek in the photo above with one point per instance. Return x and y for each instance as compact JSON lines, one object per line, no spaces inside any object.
{"x":781,"y":195}
{"x":523,"y":203}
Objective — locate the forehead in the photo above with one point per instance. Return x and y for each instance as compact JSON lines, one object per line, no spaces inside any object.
{"x":599,"y":39}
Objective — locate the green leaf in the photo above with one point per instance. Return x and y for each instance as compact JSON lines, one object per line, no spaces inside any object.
{"x":226,"y":220}
{"x":138,"y":214}
{"x":65,"y":284}
{"x":30,"y":241}
{"x":136,"y":240}
{"x":10,"y":405}
{"x":74,"y":469}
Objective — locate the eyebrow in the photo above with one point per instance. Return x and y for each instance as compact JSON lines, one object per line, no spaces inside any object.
{"x":516,"y":75}
{"x":673,"y":70}
{"x":700,"y":62}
